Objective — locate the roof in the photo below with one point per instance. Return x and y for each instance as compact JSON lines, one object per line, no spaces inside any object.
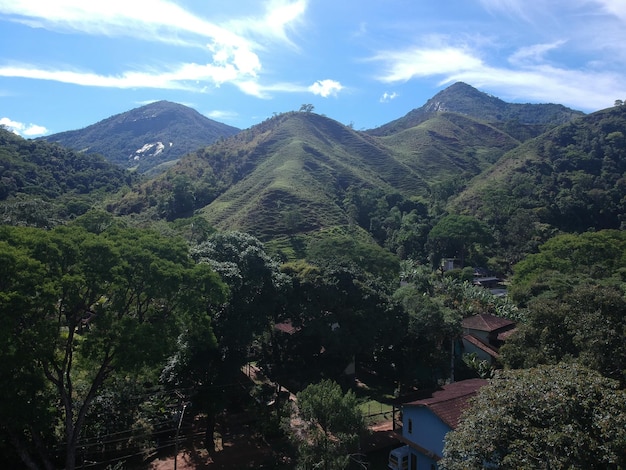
{"x":451,"y":401}
{"x":486,"y":322}
{"x":482,"y":346}
{"x":504,"y":335}
{"x":286,"y":327}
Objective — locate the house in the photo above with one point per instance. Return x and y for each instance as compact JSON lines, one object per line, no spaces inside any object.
{"x":484,"y":334}
{"x":426,"y":422}
{"x":448,"y":264}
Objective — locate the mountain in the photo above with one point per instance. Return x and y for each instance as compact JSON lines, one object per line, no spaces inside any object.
{"x":570,"y":179}
{"x":522,"y":121}
{"x":42,"y":183}
{"x":145,"y":138}
{"x":292,"y":174}
{"x":286,"y":175}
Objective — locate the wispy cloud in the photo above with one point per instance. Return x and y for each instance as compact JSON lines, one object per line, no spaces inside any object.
{"x":221,"y":115}
{"x":534,"y":54}
{"x":323,"y":88}
{"x":279,"y":17}
{"x":231,"y":55}
{"x":403,"y":65}
{"x":20,"y":128}
{"x":183,"y":77}
{"x":540,"y":71}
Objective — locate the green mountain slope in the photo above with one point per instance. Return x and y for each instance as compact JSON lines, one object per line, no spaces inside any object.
{"x":448,"y":145}
{"x":309,"y":162}
{"x":570,"y":179}
{"x":293,"y":173}
{"x":146,"y":137}
{"x":42,"y":183}
{"x":287,"y":175}
{"x":522,"y":121}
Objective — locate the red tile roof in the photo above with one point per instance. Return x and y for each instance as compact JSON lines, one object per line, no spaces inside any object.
{"x":286,"y":327}
{"x":451,"y":401}
{"x":486,"y":322}
{"x":482,"y":346}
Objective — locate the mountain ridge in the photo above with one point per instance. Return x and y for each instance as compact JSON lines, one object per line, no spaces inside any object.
{"x":143,"y":138}
{"x":462,"y":98}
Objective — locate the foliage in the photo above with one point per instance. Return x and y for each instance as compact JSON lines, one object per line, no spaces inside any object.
{"x":398,"y":224}
{"x":568,"y":260}
{"x":340,"y":314}
{"x":587,"y":325}
{"x":109,"y":303}
{"x":468,"y":299}
{"x":570,"y":180}
{"x":457,"y":236}
{"x":333,"y":423}
{"x":559,"y":417}
{"x":42,"y":184}
{"x":333,"y":249}
{"x":421,"y":350}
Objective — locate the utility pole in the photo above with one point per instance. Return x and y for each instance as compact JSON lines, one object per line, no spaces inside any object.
{"x":180,"y":421}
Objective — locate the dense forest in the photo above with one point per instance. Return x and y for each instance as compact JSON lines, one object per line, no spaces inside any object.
{"x":132,"y":307}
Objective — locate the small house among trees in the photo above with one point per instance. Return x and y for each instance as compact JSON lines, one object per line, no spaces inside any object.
{"x":484,"y":334}
{"x":426,"y":422}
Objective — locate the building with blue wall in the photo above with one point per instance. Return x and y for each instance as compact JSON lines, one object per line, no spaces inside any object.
{"x":426,"y":422}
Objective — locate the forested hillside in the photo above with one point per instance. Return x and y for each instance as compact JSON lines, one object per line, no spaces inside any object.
{"x":570,"y":179}
{"x":42,"y":184}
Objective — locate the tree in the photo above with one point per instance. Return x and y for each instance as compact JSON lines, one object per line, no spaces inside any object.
{"x":307,"y":108}
{"x":109,"y":303}
{"x":333,"y":424}
{"x":568,"y":260}
{"x":587,"y":325}
{"x":342,"y":314}
{"x":334,"y":249}
{"x":556,"y":417}
{"x":619,"y":103}
{"x":254,"y":301}
{"x":456,"y":235}
{"x":422,"y":350}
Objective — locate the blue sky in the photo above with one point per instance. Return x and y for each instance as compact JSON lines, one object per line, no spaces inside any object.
{"x":65,"y":64}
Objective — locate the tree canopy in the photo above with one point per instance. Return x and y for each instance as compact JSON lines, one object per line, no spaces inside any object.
{"x":333,"y":423}
{"x":558,"y":417}
{"x":92,"y":305}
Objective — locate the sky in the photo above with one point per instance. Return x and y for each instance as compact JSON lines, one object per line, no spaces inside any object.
{"x":66,"y":64}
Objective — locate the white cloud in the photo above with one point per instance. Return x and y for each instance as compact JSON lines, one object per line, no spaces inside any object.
{"x":233,"y":56}
{"x":616,"y":8}
{"x":403,"y":65}
{"x":326,"y":88}
{"x":533,"y":54}
{"x":228,"y":66}
{"x":161,"y":21}
{"x":388,"y":97}
{"x":22,"y":129}
{"x":221,"y":115}
{"x":547,"y":84}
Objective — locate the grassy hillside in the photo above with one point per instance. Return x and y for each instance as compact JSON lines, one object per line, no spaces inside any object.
{"x":448,"y":145}
{"x":309,"y":162}
{"x":285,"y":176}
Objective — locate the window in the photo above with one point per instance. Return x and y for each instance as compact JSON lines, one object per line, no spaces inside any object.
{"x":410,"y":426}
